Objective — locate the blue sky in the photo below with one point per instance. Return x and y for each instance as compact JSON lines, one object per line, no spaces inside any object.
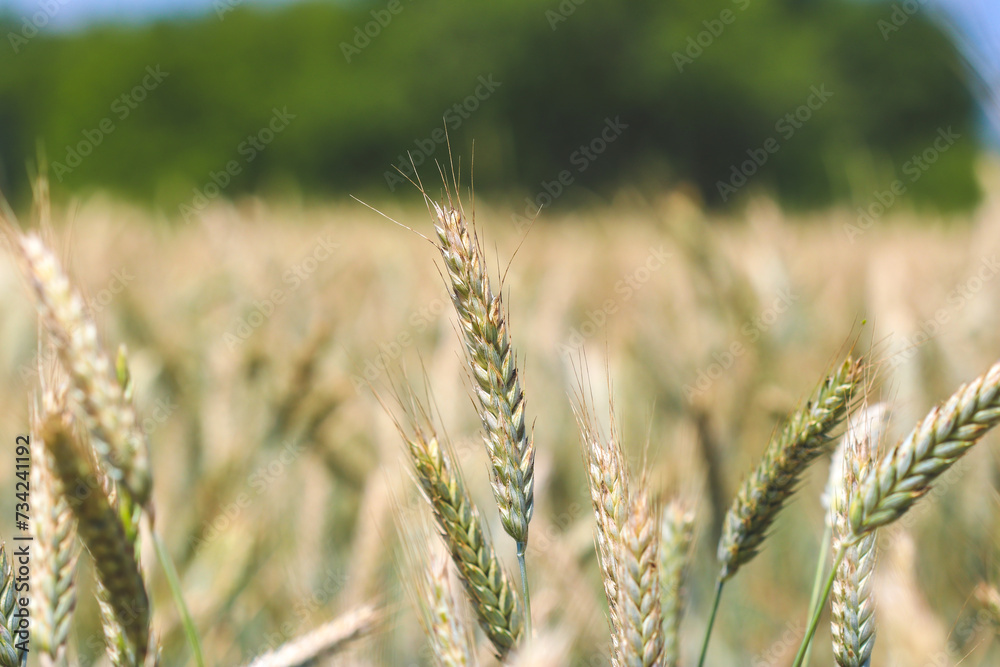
{"x":979,"y":15}
{"x":73,"y":13}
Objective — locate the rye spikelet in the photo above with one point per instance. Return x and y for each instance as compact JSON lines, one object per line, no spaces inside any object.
{"x":988,"y":599}
{"x":494,"y":370}
{"x":55,"y":554}
{"x":641,"y":640}
{"x":852,"y":602}
{"x":107,"y":537}
{"x":676,"y":539}
{"x":906,"y":472}
{"x":494,"y":600}
{"x":805,"y":437}
{"x":10,"y":656}
{"x":110,"y":419}
{"x":425,"y":574}
{"x":450,"y":640}
{"x":608,"y":479}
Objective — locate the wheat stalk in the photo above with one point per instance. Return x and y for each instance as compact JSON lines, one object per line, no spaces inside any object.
{"x":804,"y":437}
{"x":110,"y":418}
{"x":890,"y":489}
{"x":494,"y":370}
{"x":494,"y":600}
{"x":109,"y":532}
{"x":852,"y":602}
{"x":55,"y":551}
{"x":325,"y":641}
{"x":608,"y":480}
{"x":676,"y":540}
{"x":640,"y":643}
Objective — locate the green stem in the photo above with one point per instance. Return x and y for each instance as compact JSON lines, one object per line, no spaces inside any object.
{"x":814,"y":621}
{"x":711,"y":622}
{"x":521,"y":547}
{"x":175,"y":589}
{"x":824,"y":547}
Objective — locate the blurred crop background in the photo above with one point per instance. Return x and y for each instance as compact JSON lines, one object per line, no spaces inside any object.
{"x":731,"y":194}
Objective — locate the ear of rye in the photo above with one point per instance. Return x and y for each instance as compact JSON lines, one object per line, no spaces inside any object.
{"x":676,"y":539}
{"x":122,"y":592}
{"x":110,"y":418}
{"x":487,"y":584}
{"x":494,"y":371}
{"x":852,"y":600}
{"x":906,"y":472}
{"x":10,"y":656}
{"x":641,"y":641}
{"x":608,"y":480}
{"x":55,"y":555}
{"x":805,"y":437}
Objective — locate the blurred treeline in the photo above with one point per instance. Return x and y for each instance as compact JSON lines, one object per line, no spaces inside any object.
{"x":361,"y":102}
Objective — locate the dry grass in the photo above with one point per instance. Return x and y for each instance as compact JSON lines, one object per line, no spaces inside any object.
{"x":268,"y":449}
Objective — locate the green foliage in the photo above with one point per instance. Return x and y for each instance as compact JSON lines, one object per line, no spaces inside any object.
{"x":692,"y":112}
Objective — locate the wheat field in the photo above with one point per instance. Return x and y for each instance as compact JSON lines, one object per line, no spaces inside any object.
{"x":269,"y":343}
